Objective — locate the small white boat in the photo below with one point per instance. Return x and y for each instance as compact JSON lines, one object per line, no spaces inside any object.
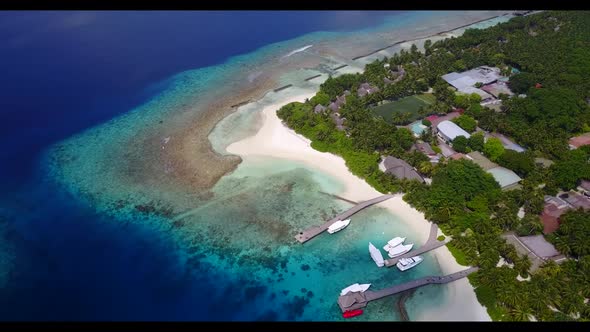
{"x":355,"y":288}
{"x":376,"y":255}
{"x":408,"y":263}
{"x":400,"y":250}
{"x":338,"y":226}
{"x":396,"y":241}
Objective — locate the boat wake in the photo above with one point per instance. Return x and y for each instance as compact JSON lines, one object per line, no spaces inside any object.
{"x":297,"y":51}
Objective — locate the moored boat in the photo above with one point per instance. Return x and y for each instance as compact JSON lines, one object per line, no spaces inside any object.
{"x":376,"y":255}
{"x":408,"y":263}
{"x":400,"y":250}
{"x":338,"y":226}
{"x":352,"y":313}
{"x":355,"y":288}
{"x":396,"y":241}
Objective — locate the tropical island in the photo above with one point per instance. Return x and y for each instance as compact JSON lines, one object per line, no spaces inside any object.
{"x":489,"y":136}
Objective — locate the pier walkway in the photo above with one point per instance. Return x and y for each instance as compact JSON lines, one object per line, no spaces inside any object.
{"x":431,"y":243}
{"x":357,"y":300}
{"x":312,"y":232}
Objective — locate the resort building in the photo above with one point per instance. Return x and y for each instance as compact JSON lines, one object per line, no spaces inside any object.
{"x":366,"y":89}
{"x":484,"y":75}
{"x":340,"y":100}
{"x":425,"y":148}
{"x":536,"y":248}
{"x":448,"y":131}
{"x":492,"y":84}
{"x":495,"y":89}
{"x":576,"y":142}
{"x":554,"y":208}
{"x":584,"y":186}
{"x":481,"y":160}
{"x":506,"y":178}
{"x":319,"y":109}
{"x":399,"y":168}
{"x":506,"y":142}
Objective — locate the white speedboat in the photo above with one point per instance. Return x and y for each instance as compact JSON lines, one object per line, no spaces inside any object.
{"x":400,"y":250}
{"x":338,"y":226}
{"x":396,"y":241}
{"x":408,"y":263}
{"x":376,"y":255}
{"x":355,"y":288}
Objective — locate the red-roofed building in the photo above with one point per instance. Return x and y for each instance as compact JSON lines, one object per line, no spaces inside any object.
{"x":576,"y":142}
{"x":538,"y":85}
{"x":550,"y":218}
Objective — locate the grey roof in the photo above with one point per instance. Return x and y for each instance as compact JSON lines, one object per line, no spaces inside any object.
{"x":424,"y":148}
{"x":334,"y":107}
{"x":585,"y":185}
{"x":539,"y":246}
{"x":481,"y":160}
{"x":319,"y":108}
{"x":451,"y":130}
{"x":400,"y":169}
{"x":504,"y":176}
{"x":483,"y":74}
{"x":507,"y":143}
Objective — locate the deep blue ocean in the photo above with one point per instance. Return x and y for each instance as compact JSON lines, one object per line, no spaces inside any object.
{"x":63,"y":72}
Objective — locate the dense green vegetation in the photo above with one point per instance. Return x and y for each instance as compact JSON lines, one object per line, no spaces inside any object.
{"x":550,"y":48}
{"x":466,"y":122}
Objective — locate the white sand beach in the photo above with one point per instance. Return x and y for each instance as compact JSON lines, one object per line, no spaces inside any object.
{"x":276,"y":140}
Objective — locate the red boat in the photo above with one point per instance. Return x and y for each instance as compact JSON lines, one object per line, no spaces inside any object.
{"x":352,"y":313}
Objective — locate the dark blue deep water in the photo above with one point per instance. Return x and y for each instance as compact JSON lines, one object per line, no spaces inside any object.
{"x":63,"y":72}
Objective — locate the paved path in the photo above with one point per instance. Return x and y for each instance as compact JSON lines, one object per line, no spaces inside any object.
{"x":312,"y":232}
{"x":357,"y":300}
{"x":431,"y":244}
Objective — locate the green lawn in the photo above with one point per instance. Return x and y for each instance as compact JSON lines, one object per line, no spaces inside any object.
{"x":405,"y":105}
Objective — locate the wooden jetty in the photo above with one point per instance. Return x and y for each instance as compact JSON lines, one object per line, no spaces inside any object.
{"x":312,"y":232}
{"x":340,"y":67}
{"x":431,"y":243}
{"x":357,"y":300}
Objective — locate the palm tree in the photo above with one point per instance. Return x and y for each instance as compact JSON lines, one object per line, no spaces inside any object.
{"x":520,"y":313}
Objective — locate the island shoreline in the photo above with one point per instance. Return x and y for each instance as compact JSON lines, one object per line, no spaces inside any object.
{"x":276,"y":140}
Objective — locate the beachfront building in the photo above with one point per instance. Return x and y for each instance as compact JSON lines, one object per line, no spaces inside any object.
{"x":576,"y":142}
{"x":319,"y":109}
{"x":399,"y":168}
{"x":448,"y":131}
{"x":366,"y":89}
{"x":335,"y":105}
